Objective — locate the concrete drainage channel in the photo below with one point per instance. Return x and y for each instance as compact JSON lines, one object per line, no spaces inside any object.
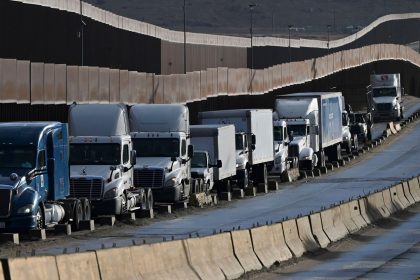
{"x":228,"y":254}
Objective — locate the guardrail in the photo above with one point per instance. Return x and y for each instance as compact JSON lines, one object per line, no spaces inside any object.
{"x":39,"y":83}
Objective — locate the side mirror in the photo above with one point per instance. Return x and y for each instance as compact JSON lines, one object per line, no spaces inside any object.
{"x":286,"y":143}
{"x":190,"y":151}
{"x":13,"y":177}
{"x":51,"y":167}
{"x":173,"y":159}
{"x":253,"y":146}
{"x":402,"y":91}
{"x":219,"y":163}
{"x":133,"y":157}
{"x":253,"y":139}
{"x":125,"y":169}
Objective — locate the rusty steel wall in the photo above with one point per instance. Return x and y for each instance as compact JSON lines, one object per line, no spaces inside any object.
{"x":47,"y":84}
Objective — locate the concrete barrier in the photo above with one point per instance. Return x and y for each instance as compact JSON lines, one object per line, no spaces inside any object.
{"x":397,"y":127}
{"x":116,"y":263}
{"x":306,"y":235}
{"x":414,"y":187}
{"x":390,"y":126}
{"x":197,"y":253}
{"x":364,"y":210}
{"x":407,"y":193}
{"x":332,"y":224}
{"x":355,"y":214}
{"x":386,"y":194}
{"x":291,"y":237}
{"x":346,"y":218}
{"x":164,"y":260}
{"x":78,"y":266}
{"x":387,"y":133}
{"x":401,"y":196}
{"x":317,"y":230}
{"x":33,"y":268}
{"x":268,"y":245}
{"x":242,"y":245}
{"x":376,"y":206}
{"x":395,"y":199}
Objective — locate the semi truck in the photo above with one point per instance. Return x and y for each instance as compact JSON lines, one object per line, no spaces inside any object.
{"x":161,"y":137}
{"x":314,"y":121}
{"x":34,"y":178}
{"x":253,"y":141}
{"x":102,"y":159}
{"x":385,"y":97}
{"x":214,"y":161}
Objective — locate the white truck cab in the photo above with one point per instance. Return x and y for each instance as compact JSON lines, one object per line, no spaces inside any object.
{"x":281,"y":141}
{"x":385,"y":96}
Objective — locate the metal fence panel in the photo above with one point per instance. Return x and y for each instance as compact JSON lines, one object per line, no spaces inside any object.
{"x":49,"y":84}
{"x":60,"y":82}
{"x":37,"y":83}
{"x":23,"y":86}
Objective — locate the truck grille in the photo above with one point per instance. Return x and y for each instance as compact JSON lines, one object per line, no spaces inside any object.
{"x":5,"y":196}
{"x":86,"y":187}
{"x":148,"y":178}
{"x":293,"y":150}
{"x":384,"y":106}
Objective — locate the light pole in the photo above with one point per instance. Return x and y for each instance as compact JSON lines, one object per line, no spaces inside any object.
{"x":185,"y":41}
{"x":290,"y":49}
{"x":251,"y":9}
{"x":82,"y":26}
{"x":328,"y":42}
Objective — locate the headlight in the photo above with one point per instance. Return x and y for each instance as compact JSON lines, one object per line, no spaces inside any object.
{"x":395,"y":107}
{"x":25,"y":209}
{"x":346,"y":138}
{"x":171,"y":182}
{"x":111,"y":193}
{"x":307,"y":158}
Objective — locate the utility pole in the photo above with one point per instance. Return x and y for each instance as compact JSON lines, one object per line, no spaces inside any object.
{"x":185,"y":40}
{"x":290,"y":48}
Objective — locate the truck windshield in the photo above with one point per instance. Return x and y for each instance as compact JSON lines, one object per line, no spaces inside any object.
{"x":239,"y":142}
{"x":199,"y":160}
{"x":278,"y":133}
{"x":156,"y":147}
{"x":298,"y":129}
{"x":95,"y":154}
{"x":17,"y":156}
{"x":379,"y":92}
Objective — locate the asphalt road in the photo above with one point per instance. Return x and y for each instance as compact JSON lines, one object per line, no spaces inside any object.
{"x":381,"y":168}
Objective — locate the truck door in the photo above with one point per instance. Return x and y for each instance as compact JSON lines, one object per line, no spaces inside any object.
{"x":57,"y":159}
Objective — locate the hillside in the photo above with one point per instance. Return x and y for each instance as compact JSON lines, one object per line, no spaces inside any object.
{"x":309,"y":18}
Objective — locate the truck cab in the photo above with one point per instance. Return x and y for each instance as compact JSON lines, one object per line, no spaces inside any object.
{"x":161,"y":137}
{"x":281,"y":141}
{"x":34,"y":182}
{"x":102,"y":158}
{"x":385,"y":96}
{"x":202,"y":169}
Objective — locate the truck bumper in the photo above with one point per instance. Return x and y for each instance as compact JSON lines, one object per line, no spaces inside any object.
{"x":305,"y":164}
{"x":18,"y":224}
{"x":385,"y":115}
{"x":106,"y":206}
{"x":167,"y":194}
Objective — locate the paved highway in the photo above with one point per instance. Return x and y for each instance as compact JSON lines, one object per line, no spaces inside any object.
{"x":382,"y":168}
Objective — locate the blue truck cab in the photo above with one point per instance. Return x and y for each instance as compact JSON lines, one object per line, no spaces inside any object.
{"x":34,"y":177}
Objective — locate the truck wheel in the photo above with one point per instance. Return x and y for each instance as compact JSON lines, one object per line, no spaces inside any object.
{"x":265,"y":175}
{"x":245,"y":178}
{"x":355,"y":143}
{"x":77,"y":214}
{"x":149,"y":199}
{"x":348,"y":148}
{"x":321,"y":157}
{"x":86,"y":209}
{"x":40,"y":220}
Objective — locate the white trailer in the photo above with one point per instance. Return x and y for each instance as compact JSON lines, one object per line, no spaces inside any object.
{"x":254,"y":140}
{"x":214,"y":158}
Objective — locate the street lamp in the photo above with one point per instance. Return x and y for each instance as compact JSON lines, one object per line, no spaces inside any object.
{"x":185,"y":41}
{"x":328,"y":32}
{"x":251,"y":9}
{"x":82,"y":26}
{"x":290,"y":49}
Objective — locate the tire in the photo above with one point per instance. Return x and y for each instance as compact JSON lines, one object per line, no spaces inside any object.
{"x":77,"y":214}
{"x":245,"y":183}
{"x":123,"y":204}
{"x":149,"y":199}
{"x":338,"y":152}
{"x":321,"y":157}
{"x":348,"y":148}
{"x":40,"y":218}
{"x":265,"y":175}
{"x":87,"y":213}
{"x":356,"y":143}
